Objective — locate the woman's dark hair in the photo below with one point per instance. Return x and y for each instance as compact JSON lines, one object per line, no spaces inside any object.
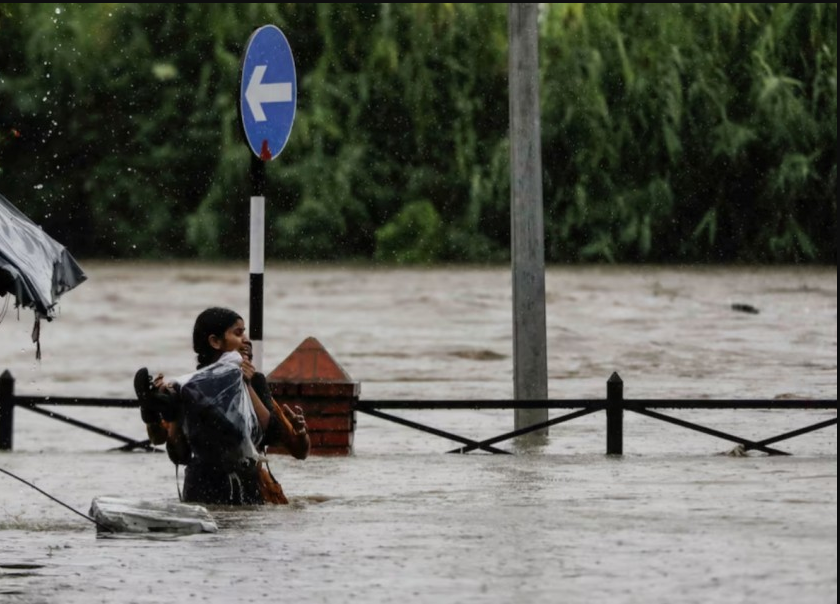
{"x":211,"y":322}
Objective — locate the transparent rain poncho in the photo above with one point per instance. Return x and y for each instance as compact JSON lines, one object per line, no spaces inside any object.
{"x":219,"y":418}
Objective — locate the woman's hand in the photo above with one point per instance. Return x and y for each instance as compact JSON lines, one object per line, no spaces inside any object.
{"x":159,"y":383}
{"x":296,"y":418}
{"x":293,"y":435}
{"x":248,"y":369}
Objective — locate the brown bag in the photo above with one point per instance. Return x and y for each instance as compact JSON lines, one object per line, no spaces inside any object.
{"x":270,"y":489}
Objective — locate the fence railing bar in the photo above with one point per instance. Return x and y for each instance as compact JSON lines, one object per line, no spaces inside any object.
{"x":557,"y":420}
{"x":698,"y":428}
{"x":408,"y":405}
{"x":66,"y":401}
{"x":768,"y":404}
{"x":473,"y":405}
{"x":435,"y":431}
{"x":85,"y":426}
{"x":799,"y":432}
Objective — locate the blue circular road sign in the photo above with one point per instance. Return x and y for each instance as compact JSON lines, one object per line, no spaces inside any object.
{"x":267,"y":92}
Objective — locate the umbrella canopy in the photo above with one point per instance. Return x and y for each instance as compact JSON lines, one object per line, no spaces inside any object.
{"x":34,"y":267}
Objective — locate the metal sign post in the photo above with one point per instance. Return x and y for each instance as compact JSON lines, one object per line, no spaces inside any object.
{"x":267,"y":101}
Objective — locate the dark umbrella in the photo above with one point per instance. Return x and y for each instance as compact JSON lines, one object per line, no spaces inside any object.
{"x":33,"y":266}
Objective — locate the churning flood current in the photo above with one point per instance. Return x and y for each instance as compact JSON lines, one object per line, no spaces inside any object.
{"x":674,"y":520}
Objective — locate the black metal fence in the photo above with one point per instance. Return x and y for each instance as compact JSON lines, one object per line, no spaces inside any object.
{"x":9,"y":402}
{"x":614,"y":406}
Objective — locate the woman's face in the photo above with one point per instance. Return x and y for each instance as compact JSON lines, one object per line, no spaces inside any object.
{"x":236,"y":339}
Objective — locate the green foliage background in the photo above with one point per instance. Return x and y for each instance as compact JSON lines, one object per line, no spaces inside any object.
{"x":671,"y":132}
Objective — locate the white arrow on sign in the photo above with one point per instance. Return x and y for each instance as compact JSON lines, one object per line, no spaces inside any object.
{"x":259,"y":93}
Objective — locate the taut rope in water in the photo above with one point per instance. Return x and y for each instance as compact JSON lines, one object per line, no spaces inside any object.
{"x":85,"y":516}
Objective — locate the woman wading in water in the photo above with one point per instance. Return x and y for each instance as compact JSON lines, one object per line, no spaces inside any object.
{"x":217,"y":421}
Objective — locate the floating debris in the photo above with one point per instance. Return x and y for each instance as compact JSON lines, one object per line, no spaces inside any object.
{"x":139,"y":516}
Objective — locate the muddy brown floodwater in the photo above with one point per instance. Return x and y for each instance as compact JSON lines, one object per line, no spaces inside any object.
{"x":672,"y":521}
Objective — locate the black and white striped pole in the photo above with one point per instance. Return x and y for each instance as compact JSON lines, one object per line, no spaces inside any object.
{"x":267,"y":101}
{"x":256,"y":261}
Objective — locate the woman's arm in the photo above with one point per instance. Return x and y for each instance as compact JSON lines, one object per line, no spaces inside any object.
{"x":294,"y":435}
{"x":177,"y":446}
{"x":157,"y":432}
{"x":285,"y":427}
{"x":263,"y":415}
{"x":257,"y":389}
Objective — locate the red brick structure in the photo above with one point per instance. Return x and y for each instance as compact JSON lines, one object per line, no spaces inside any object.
{"x":312,"y":378}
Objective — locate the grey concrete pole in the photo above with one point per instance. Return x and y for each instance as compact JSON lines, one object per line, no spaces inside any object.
{"x":530,"y":373}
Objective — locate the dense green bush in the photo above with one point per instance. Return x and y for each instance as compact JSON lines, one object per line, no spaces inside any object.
{"x":671,"y":132}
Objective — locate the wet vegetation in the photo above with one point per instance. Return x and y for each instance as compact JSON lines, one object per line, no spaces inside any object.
{"x":671,"y":132}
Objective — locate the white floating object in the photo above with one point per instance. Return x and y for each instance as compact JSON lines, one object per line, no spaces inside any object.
{"x":139,"y":516}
